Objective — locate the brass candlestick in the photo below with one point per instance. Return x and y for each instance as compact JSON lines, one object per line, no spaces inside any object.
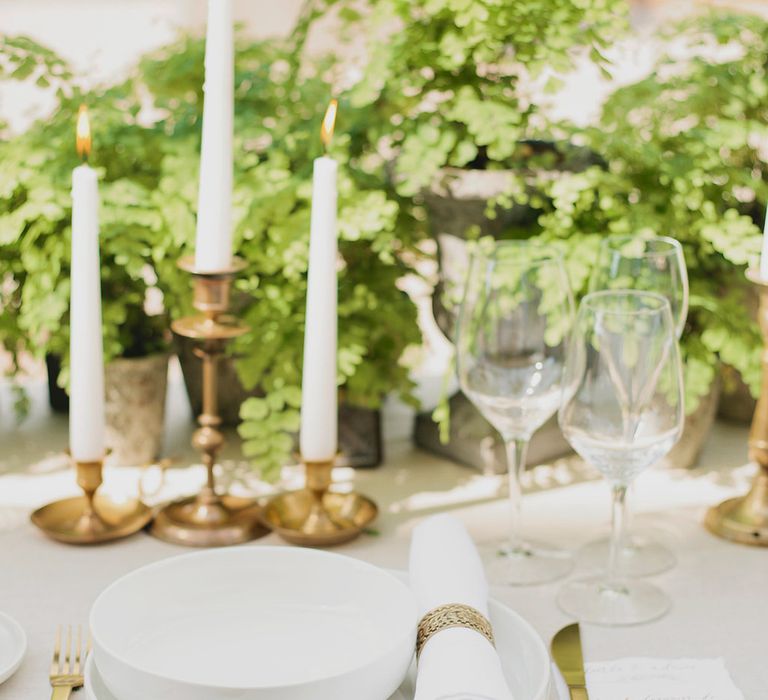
{"x":745,"y":519}
{"x":209,"y":519}
{"x":87,"y":520}
{"x":316,"y":516}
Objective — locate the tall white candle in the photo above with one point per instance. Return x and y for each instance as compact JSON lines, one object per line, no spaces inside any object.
{"x":764,"y":252}
{"x":318,"y":394}
{"x":86,"y":353}
{"x":213,"y":243}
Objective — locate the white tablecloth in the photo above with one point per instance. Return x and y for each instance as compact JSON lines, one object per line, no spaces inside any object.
{"x":718,"y":589}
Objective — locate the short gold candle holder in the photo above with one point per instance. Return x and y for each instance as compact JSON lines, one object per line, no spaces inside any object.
{"x":87,"y":519}
{"x":745,"y":519}
{"x":209,"y":519}
{"x":316,"y":516}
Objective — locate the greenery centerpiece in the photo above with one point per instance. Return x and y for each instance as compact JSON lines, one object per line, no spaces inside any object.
{"x":450,"y":91}
{"x":679,"y":153}
{"x":147,"y":131}
{"x":684,"y":156}
{"x":35,"y":214}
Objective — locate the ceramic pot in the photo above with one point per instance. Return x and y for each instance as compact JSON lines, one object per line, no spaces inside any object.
{"x":58,"y":399}
{"x":456,"y":202}
{"x":698,"y":424}
{"x":135,"y":391}
{"x":475,"y":442}
{"x":736,"y":401}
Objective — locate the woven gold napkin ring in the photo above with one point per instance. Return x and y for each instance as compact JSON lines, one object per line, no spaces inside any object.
{"x":452,"y":615}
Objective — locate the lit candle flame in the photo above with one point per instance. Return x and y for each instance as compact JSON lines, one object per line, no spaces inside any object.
{"x":329,"y":120}
{"x":83,"y":132}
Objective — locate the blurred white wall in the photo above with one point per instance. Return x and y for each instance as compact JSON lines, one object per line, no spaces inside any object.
{"x":103,"y":38}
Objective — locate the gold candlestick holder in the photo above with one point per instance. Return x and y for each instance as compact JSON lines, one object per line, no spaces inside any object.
{"x":745,"y":519}
{"x":209,"y":519}
{"x":88,"y":520}
{"x":316,"y":516}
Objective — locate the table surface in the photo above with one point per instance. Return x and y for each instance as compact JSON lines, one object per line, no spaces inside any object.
{"x":718,"y":589}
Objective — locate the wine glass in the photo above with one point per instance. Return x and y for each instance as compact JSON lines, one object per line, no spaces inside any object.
{"x":512,"y":333}
{"x":652,"y":264}
{"x":646,"y":263}
{"x":622,"y":410}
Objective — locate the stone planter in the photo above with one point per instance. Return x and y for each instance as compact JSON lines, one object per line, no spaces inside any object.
{"x":58,"y":399}
{"x":476,"y":443}
{"x":135,"y":391}
{"x":360,"y":440}
{"x":456,"y":202}
{"x":685,"y":453}
{"x":736,"y":402}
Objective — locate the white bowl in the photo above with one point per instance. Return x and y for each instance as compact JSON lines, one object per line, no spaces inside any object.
{"x":253,"y":623}
{"x":524,"y":660}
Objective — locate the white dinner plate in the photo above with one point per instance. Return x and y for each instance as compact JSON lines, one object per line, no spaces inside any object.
{"x":13,"y":646}
{"x":523,"y":655}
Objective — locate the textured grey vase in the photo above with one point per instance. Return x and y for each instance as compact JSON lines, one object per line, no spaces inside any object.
{"x":456,"y":203}
{"x":135,"y":408}
{"x":474,"y":442}
{"x":737,"y":404}
{"x":698,"y":424}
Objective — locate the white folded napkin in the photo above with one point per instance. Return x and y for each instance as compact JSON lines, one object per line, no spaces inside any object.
{"x":456,"y":663}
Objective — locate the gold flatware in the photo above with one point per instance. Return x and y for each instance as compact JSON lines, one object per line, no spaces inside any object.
{"x":66,"y":672}
{"x":566,"y":650}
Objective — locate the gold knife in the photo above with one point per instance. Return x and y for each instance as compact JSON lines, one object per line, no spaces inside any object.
{"x":566,"y":650}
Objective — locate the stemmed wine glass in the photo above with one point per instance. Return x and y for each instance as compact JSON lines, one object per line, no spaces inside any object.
{"x":622,"y":410}
{"x":651,"y":264}
{"x":512,"y":333}
{"x":646,"y":263}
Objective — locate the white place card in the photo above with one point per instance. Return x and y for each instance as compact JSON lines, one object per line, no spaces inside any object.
{"x":640,"y":678}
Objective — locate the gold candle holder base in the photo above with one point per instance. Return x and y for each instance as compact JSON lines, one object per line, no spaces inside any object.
{"x":225,"y":521}
{"x":745,"y":519}
{"x":89,"y":519}
{"x":209,"y":519}
{"x":317,"y":517}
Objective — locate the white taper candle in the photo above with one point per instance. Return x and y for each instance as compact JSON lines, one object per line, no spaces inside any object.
{"x":213,"y":243}
{"x":318,"y":397}
{"x":86,"y":351}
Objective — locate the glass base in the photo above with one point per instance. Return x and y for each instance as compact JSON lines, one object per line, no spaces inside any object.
{"x":642,"y":557}
{"x":526,"y":564}
{"x":629,"y":603}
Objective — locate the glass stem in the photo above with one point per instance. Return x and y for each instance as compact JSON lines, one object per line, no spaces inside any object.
{"x":617,"y":535}
{"x":516,"y":451}
{"x":626,"y":519}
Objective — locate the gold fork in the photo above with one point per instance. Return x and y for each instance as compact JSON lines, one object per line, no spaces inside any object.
{"x":67,"y":669}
